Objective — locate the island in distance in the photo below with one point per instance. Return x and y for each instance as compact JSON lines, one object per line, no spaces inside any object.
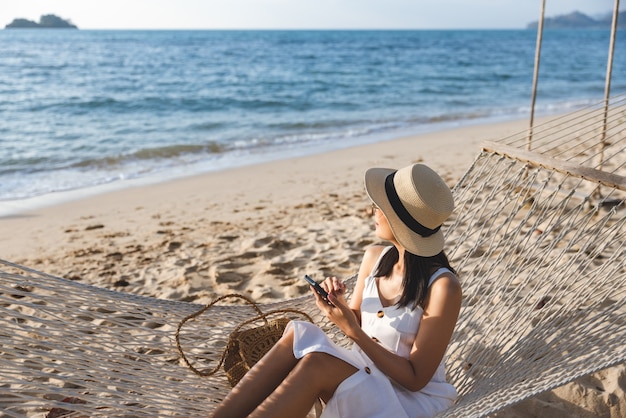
{"x":578,"y":20}
{"x":45,"y":22}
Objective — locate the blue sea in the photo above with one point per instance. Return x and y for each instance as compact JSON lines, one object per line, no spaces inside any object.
{"x":82,"y":109}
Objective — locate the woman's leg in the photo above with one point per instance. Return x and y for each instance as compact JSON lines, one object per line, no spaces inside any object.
{"x":316,"y":375}
{"x":260,"y":381}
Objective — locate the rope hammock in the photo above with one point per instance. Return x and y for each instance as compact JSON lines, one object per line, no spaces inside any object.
{"x":537,"y":236}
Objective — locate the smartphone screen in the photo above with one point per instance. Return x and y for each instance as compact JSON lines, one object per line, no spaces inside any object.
{"x":319,"y":289}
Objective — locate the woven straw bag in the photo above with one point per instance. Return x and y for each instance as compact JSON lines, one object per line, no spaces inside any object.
{"x":245,"y":347}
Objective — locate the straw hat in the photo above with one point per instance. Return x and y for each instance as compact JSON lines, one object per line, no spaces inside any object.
{"x":416,"y":202}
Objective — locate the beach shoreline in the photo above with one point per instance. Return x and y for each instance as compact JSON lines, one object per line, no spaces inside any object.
{"x":11,"y":207}
{"x":254,"y":230}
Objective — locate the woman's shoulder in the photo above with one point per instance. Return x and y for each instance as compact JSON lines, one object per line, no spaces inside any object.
{"x":370,"y":258}
{"x":373,"y":254}
{"x":445,"y":284}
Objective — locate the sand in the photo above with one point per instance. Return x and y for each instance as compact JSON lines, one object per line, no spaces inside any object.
{"x":257,"y":230}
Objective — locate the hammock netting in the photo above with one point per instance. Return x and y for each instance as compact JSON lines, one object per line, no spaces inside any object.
{"x":537,"y":236}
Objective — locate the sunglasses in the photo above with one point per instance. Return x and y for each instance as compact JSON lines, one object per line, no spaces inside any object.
{"x":373,"y":209}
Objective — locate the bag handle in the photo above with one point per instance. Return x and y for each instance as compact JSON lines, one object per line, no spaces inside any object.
{"x":260,"y":315}
{"x":200,"y":312}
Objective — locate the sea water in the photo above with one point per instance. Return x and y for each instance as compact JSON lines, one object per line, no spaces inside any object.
{"x":82,"y":109}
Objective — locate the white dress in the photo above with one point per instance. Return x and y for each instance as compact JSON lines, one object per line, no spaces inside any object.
{"x":369,"y":393}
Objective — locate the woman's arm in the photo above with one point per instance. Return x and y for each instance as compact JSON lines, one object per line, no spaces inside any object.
{"x":441,"y":311}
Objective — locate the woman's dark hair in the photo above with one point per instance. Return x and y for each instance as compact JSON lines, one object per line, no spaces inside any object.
{"x":417,"y":272}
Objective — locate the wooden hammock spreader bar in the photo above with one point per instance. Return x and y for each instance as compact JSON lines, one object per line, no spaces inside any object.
{"x":538,"y":160}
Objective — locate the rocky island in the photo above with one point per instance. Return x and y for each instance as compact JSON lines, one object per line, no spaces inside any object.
{"x":578,"y":20}
{"x":45,"y":22}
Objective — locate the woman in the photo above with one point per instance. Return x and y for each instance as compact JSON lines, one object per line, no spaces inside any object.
{"x":401,"y":316}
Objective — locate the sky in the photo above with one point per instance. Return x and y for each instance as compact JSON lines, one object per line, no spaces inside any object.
{"x":298,"y":14}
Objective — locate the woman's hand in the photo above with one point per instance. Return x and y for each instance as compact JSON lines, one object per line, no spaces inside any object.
{"x":339,"y":312}
{"x":334,"y":285}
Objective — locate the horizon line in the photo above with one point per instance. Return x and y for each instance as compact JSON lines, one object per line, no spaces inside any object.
{"x":278,"y":29}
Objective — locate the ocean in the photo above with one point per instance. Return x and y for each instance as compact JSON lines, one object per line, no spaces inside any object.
{"x":84,"y":109}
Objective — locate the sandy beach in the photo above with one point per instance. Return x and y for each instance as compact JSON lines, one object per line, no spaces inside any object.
{"x":255,"y":230}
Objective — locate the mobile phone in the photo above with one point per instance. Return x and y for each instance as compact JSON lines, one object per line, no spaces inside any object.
{"x":319,"y":289}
